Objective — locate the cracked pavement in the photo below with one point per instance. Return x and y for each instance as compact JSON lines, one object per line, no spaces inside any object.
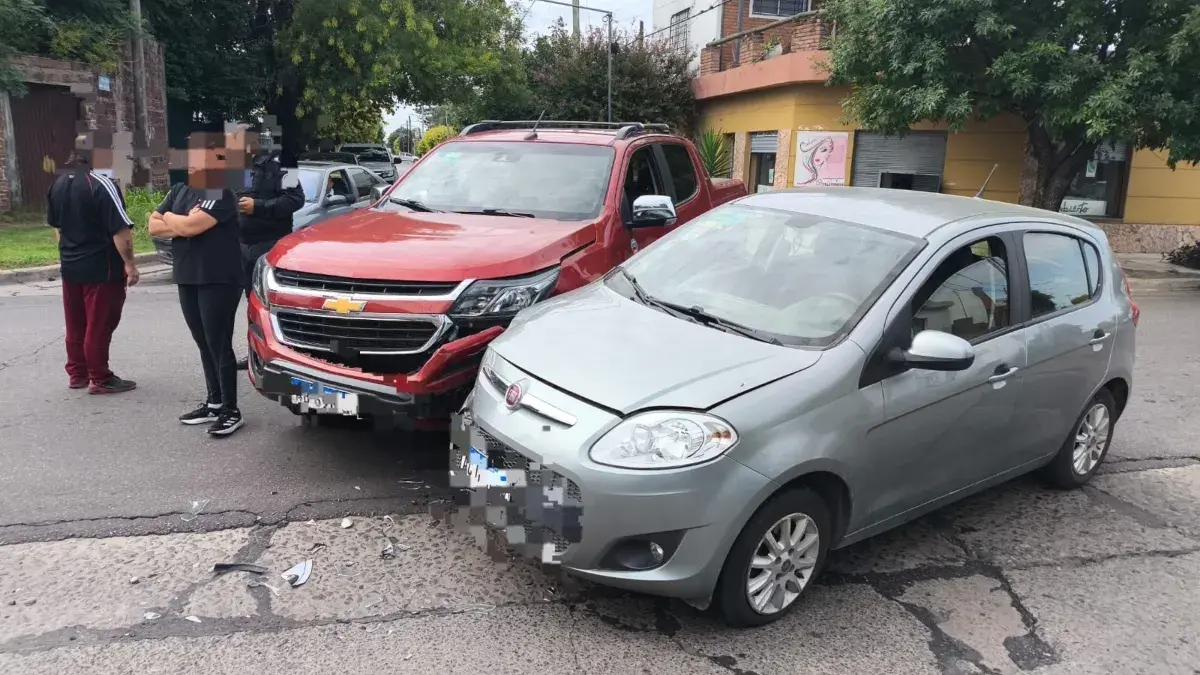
{"x":107,"y":565}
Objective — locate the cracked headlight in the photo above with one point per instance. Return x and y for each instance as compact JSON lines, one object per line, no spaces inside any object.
{"x":664,"y":439}
{"x":504,"y":297}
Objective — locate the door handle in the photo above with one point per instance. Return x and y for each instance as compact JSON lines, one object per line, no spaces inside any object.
{"x":1098,"y":337}
{"x":1003,"y":373}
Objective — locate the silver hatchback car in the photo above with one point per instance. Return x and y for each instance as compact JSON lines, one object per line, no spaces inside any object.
{"x":792,"y":373}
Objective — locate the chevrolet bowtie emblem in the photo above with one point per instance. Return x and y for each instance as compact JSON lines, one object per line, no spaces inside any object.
{"x":343,"y":305}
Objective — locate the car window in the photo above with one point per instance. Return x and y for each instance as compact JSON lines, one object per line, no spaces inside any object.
{"x":560,"y":181}
{"x":362,"y":182}
{"x":1092,"y":258}
{"x":1058,"y":277}
{"x":641,"y":176}
{"x":310,"y":182}
{"x":967,"y":294}
{"x":338,"y":184}
{"x":683,"y":172}
{"x":802,"y":278}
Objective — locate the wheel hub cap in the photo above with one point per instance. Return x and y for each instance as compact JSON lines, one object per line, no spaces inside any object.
{"x":1091,"y":437}
{"x":783,"y":563}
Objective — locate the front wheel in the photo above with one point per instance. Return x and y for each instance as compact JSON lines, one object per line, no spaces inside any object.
{"x":1081,"y":454}
{"x":775,"y":558}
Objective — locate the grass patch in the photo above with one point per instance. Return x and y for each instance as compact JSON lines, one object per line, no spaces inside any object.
{"x":26,"y":240}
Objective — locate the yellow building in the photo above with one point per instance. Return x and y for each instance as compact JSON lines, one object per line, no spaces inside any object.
{"x":785,"y":130}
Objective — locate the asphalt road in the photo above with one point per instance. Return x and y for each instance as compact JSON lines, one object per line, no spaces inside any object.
{"x":96,"y":492}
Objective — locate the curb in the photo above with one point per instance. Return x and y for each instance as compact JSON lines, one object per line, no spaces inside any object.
{"x":51,"y":272}
{"x":1137,"y":286}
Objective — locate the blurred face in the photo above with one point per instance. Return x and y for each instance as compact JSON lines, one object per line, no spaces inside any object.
{"x":218,"y":161}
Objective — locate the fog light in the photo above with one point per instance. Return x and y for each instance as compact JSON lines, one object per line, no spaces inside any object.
{"x":656,"y":553}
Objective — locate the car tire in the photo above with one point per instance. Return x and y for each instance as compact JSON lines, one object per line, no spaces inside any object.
{"x":1085,"y":447}
{"x":733,"y":603}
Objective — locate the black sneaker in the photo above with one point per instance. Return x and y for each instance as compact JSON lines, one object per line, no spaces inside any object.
{"x":204,"y":414}
{"x":244,"y":364}
{"x":113,"y":385}
{"x":228,"y":421}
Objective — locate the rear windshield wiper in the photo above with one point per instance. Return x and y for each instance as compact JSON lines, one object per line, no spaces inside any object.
{"x":412,"y":204}
{"x":698,"y":313}
{"x":500,"y":212}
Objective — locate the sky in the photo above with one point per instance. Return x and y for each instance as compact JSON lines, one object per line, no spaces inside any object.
{"x":539,"y":16}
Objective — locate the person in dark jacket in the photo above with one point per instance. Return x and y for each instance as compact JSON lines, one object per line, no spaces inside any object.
{"x":200,"y":218}
{"x":95,"y":250}
{"x":265,"y":214}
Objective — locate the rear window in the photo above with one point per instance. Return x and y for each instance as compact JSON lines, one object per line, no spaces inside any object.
{"x":309,"y":179}
{"x":683,"y":174}
{"x":556,"y":181}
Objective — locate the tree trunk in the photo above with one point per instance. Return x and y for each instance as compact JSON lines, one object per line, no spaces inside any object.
{"x":1049,"y":168}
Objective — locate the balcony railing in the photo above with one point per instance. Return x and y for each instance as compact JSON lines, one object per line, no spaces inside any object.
{"x":803,"y":32}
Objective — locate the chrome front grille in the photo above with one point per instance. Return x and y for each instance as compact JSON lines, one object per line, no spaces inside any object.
{"x":304,"y":281}
{"x":341,"y":335}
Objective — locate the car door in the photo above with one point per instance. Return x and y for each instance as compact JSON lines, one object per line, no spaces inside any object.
{"x":642,"y":176}
{"x":363,"y":181}
{"x":337,"y":185}
{"x":944,"y":431}
{"x":679,"y":175}
{"x":1070,"y":334}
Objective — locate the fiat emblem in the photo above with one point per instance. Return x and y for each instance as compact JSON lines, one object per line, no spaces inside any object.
{"x":512,"y":396}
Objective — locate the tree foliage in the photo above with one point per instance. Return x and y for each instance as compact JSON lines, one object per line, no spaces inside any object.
{"x":22,"y":24}
{"x":432,"y":138}
{"x":1079,"y":72}
{"x":715,"y":152}
{"x":402,"y":140}
{"x":567,"y":78}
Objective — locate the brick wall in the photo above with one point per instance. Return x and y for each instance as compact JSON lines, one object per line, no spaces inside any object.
{"x":804,"y":35}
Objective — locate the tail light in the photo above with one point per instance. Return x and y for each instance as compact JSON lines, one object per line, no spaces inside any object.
{"x":1137,"y":313}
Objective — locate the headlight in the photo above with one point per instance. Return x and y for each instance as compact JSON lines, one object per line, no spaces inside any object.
{"x":504,"y":297}
{"x":258,"y":279}
{"x":664,"y":440}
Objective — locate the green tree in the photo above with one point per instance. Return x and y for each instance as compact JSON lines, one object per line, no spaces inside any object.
{"x":22,"y":24}
{"x":1079,"y":72}
{"x":401,"y":140}
{"x":432,"y":138}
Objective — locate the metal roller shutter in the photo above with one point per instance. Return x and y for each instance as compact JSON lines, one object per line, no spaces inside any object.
{"x":918,"y":152}
{"x":764,"y":142}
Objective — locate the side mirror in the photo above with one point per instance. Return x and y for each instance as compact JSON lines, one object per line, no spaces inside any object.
{"x":377,"y":193}
{"x":337,"y":200}
{"x":653,"y":211}
{"x":935,"y":350}
{"x":397,"y":160}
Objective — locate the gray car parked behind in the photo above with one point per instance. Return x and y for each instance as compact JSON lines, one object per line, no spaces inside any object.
{"x":795,"y":372}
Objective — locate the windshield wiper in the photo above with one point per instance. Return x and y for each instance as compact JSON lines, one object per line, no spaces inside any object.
{"x":500,"y":212}
{"x":697,"y":312}
{"x":412,"y":204}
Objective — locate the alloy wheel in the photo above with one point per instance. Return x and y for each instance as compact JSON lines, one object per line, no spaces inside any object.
{"x":1090,"y":439}
{"x":783,"y":563}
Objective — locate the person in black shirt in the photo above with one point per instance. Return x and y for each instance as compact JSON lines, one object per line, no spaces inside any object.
{"x":95,"y":250}
{"x":265,"y":213}
{"x":201,"y":220}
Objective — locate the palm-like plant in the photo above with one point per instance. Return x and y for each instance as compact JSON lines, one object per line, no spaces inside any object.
{"x":714,"y":152}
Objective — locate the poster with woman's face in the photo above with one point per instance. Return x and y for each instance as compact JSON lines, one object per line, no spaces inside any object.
{"x":820,"y":158}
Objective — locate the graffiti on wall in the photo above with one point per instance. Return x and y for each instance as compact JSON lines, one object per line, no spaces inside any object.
{"x":821,"y":158}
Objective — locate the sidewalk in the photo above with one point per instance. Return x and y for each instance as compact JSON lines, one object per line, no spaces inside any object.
{"x":1149,"y":273}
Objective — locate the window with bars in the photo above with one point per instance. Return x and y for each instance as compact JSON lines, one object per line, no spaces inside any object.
{"x":678,"y":35}
{"x":778,"y":8}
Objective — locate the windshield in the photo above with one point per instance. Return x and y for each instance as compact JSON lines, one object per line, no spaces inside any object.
{"x":368,"y":154}
{"x":799,"y":278}
{"x":548,"y":180}
{"x":310,"y":182}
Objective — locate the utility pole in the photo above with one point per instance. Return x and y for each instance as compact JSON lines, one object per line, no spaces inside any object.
{"x":575,"y":18}
{"x":141,"y":130}
{"x":409,"y":136}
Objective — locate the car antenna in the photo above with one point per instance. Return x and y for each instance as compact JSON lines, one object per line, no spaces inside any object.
{"x":533,"y":134}
{"x":979,"y":195}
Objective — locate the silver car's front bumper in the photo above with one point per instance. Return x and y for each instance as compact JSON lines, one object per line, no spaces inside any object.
{"x":694,"y":513}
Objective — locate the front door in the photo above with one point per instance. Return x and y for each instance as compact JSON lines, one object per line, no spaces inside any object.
{"x":944,"y":431}
{"x":338,"y":184}
{"x":1070,"y":336}
{"x":643,"y":176}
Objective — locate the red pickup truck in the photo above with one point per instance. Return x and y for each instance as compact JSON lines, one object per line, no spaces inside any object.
{"x":385,"y":313}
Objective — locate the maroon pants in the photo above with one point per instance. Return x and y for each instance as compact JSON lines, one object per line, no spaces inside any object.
{"x":93,"y":312}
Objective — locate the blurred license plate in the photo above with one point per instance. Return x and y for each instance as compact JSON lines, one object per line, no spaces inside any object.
{"x":323,"y":399}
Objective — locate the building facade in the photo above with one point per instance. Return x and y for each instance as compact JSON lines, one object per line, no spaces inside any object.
{"x":785,"y":128}
{"x":65,"y":98}
{"x":692,"y":24}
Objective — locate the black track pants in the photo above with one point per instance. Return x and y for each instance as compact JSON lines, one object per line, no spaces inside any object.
{"x":210,"y":311}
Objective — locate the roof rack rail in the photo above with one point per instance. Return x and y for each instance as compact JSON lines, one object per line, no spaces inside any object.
{"x":624,"y":129}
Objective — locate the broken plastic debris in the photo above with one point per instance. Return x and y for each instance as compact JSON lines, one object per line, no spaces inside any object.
{"x":389,"y":551}
{"x":347,"y":523}
{"x":221,"y":568}
{"x":406,"y":656}
{"x":357,"y":487}
{"x":133,"y":580}
{"x":151,"y":616}
{"x":310,"y":522}
{"x":194,"y":510}
{"x":316,"y":548}
{"x":257,"y":583}
{"x":193,"y":619}
{"x":298,"y":574}
{"x":389,"y":519}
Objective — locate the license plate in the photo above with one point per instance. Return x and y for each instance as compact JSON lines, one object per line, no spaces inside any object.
{"x":322,"y":399}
